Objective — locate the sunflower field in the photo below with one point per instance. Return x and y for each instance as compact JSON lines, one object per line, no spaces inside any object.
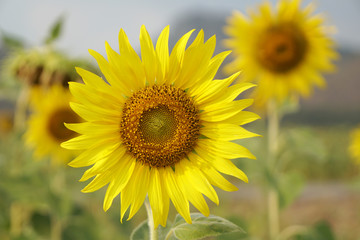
{"x":230,"y":121}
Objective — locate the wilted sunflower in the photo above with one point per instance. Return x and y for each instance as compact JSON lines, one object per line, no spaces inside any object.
{"x":46,"y":129}
{"x":354,"y":148}
{"x":161,"y":126}
{"x":41,"y":67}
{"x":284,"y":49}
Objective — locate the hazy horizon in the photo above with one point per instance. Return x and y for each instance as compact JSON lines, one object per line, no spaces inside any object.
{"x":89,"y":24}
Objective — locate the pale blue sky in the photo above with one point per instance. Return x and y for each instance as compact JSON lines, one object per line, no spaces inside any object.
{"x":90,"y":22}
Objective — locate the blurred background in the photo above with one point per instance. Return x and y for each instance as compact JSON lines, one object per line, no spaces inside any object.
{"x":322,"y":194}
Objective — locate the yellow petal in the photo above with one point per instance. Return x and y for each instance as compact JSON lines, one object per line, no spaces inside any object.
{"x":95,"y":113}
{"x":94,"y":128}
{"x":122,"y":173}
{"x":193,"y":175}
{"x":106,"y":163}
{"x":148,"y":56}
{"x":176,"y":57}
{"x":79,"y":142}
{"x":92,"y":79}
{"x":207,"y":92}
{"x":123,"y":70}
{"x":225,"y":131}
{"x":95,"y":153}
{"x":158,"y":196}
{"x":176,"y":194}
{"x":194,"y":196}
{"x":162,"y":51}
{"x":224,"y":149}
{"x":108,"y":71}
{"x":213,"y":176}
{"x":220,"y":112}
{"x":216,"y":179}
{"x":196,"y":61}
{"x":98,"y":182}
{"x":222,"y":165}
{"x":85,"y":95}
{"x":140,"y":187}
{"x":135,"y":191}
{"x":242,"y":118}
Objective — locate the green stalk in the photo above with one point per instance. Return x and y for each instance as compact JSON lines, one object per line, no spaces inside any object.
{"x":273,"y":198}
{"x":56,"y":228}
{"x":153,"y":231}
{"x":21,"y":108}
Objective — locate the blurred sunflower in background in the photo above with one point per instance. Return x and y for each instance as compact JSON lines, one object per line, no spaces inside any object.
{"x":37,"y":70}
{"x":354,"y":148}
{"x":45,"y":127}
{"x":284,"y":49}
{"x":161,"y":126}
{"x":42,"y":67}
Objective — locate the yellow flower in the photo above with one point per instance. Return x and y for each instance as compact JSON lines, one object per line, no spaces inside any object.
{"x":354,"y":148}
{"x":283,"y":49}
{"x":161,"y":126}
{"x":46,"y":129}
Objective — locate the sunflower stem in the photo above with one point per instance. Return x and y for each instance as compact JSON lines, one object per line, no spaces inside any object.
{"x":21,"y":108}
{"x":273,"y":198}
{"x":56,"y":228}
{"x":19,"y":218}
{"x":153,"y":231}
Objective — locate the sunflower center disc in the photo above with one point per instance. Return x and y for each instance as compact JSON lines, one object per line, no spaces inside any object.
{"x":282,"y":48}
{"x":56,"y":125}
{"x":160,"y":125}
{"x":157,"y":125}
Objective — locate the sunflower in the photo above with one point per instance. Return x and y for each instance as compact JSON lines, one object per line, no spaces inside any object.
{"x":160,"y":125}
{"x":46,"y":129}
{"x":285,"y":49}
{"x":354,"y":148}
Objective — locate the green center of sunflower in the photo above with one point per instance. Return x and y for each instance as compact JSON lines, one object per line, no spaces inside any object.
{"x":160,"y":125}
{"x":282,"y":48}
{"x":56,"y":125}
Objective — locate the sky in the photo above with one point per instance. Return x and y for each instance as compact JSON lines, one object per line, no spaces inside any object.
{"x":89,"y":23}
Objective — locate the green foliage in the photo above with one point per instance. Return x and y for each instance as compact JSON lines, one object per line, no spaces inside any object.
{"x":320,"y":231}
{"x":302,"y":142}
{"x":37,"y":194}
{"x":55,"y":31}
{"x":11,"y":42}
{"x":290,"y":187}
{"x":41,"y":223}
{"x":200,"y":228}
{"x":141,"y":232}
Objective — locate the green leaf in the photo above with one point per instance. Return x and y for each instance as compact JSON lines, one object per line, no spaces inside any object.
{"x":303,"y":142}
{"x":320,"y":231}
{"x":324,"y":231}
{"x":55,"y":31}
{"x":289,"y":106}
{"x":270,"y":179}
{"x":141,"y":232}
{"x":11,"y":41}
{"x":290,"y":187}
{"x":41,"y":223}
{"x":202,"y":227}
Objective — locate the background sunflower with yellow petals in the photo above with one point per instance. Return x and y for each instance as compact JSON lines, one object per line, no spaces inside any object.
{"x":45,"y":129}
{"x":161,"y":127}
{"x":284,"y":49}
{"x":354,"y":147}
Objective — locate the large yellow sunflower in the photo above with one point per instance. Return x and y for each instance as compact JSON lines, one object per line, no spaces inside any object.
{"x":354,"y":148}
{"x":285,"y":49}
{"x":46,"y":129}
{"x":161,"y":126}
